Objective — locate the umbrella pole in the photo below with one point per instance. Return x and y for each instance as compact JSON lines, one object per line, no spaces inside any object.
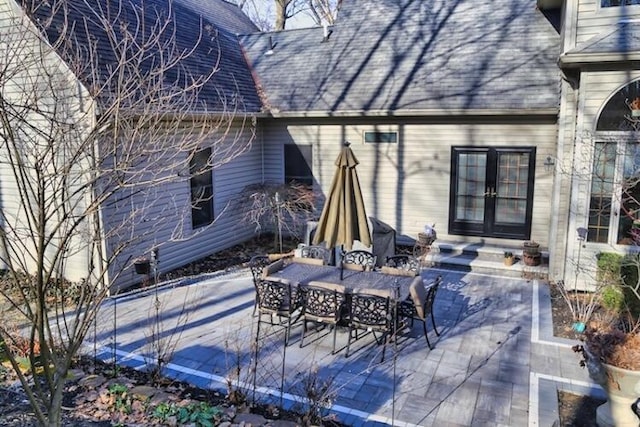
{"x":341,"y":263}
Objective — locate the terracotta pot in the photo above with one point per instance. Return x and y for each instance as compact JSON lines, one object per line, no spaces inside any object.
{"x":508,"y":261}
{"x":623,"y":389}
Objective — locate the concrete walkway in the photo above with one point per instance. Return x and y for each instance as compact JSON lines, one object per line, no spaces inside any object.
{"x":496,"y":362}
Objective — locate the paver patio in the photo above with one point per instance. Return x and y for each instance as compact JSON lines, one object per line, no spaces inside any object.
{"x":495,"y":362}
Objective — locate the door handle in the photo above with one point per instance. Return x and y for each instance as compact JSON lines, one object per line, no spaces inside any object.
{"x":491,"y":192}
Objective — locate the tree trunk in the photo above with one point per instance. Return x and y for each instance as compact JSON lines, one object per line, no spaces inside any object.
{"x":281,"y":14}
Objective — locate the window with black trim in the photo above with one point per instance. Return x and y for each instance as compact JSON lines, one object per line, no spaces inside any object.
{"x":201,"y":189}
{"x":377,"y":137}
{"x":297,"y":164}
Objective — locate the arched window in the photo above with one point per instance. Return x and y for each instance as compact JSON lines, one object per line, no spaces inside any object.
{"x":617,"y":114}
{"x":614,"y":204}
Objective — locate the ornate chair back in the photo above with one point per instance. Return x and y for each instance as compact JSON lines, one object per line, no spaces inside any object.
{"x":277,"y":298}
{"x":256,"y":264}
{"x":362,"y":260}
{"x":371,"y":310}
{"x":316,"y":252}
{"x":403,"y":262}
{"x":323,"y":303}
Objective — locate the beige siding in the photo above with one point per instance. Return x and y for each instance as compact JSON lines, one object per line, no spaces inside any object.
{"x":164,"y":217}
{"x":24,"y":59}
{"x":595,"y":89}
{"x":407,"y":184}
{"x":594,"y":20}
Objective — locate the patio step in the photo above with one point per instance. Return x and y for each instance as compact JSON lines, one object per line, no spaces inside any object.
{"x":485,"y":259}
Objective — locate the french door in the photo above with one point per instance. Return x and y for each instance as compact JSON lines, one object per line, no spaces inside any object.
{"x":492,"y":191}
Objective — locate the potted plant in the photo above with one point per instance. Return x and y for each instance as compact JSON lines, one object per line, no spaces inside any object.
{"x":508,"y":258}
{"x":142,"y":265}
{"x":611,"y":351}
{"x":635,"y":107}
{"x":531,"y":253}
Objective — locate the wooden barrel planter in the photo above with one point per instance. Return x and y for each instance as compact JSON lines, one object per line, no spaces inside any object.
{"x":531,"y":255}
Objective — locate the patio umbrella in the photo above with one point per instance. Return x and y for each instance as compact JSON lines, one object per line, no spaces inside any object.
{"x":343,"y":219}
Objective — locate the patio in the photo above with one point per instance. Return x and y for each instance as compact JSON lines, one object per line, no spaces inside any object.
{"x":495,"y":362}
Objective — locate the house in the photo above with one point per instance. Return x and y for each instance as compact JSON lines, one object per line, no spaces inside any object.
{"x":597,"y":131}
{"x":119,"y":111}
{"x":498,"y":121}
{"x":451,"y":107}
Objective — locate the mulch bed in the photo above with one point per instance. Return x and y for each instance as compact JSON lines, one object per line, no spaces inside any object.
{"x":574,"y":410}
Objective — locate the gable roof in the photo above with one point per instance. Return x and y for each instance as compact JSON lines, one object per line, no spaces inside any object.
{"x":395,"y":57}
{"x":211,"y":43}
{"x":619,"y":44}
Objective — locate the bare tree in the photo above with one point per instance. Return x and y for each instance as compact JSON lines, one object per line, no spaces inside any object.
{"x":274,"y":16}
{"x":101,"y":114}
{"x":323,"y":11}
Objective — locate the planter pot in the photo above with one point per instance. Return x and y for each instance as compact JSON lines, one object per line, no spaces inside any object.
{"x":531,"y":259}
{"x":508,"y":261}
{"x":142,"y":267}
{"x":531,"y":247}
{"x":623,"y":389}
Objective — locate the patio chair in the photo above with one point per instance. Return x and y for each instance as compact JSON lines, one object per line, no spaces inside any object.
{"x":257,"y":264}
{"x":316,"y":252}
{"x":323,"y":303}
{"x":371,"y":310}
{"x":420,"y":306}
{"x":403,"y":262}
{"x":359,"y":260}
{"x":277,"y":298}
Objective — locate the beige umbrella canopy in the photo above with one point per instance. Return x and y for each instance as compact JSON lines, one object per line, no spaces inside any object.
{"x":343,"y":217}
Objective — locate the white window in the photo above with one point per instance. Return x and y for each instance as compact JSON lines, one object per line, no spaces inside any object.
{"x":614,"y":201}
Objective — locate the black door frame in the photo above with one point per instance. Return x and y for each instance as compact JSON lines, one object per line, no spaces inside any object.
{"x":489,"y":227}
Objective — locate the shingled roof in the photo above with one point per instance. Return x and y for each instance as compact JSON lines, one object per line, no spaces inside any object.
{"x":206,"y":30}
{"x":406,"y":57}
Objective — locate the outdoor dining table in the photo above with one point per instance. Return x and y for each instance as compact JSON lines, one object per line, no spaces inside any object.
{"x":303,"y":274}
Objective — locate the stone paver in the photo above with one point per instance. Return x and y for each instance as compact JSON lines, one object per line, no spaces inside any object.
{"x":495,"y":362}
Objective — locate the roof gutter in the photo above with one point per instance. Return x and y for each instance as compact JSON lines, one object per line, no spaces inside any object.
{"x":579,"y":60}
{"x":417,"y":113}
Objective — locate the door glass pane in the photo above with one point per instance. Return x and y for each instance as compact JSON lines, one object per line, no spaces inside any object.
{"x":471,"y":184}
{"x":512,"y":188}
{"x":629,"y":224}
{"x":604,"y":161}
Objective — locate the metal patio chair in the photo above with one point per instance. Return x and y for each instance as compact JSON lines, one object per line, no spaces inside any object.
{"x":257,"y":264}
{"x":277,"y":298}
{"x":323,"y":303}
{"x":371,"y":310}
{"x":419,"y":306}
